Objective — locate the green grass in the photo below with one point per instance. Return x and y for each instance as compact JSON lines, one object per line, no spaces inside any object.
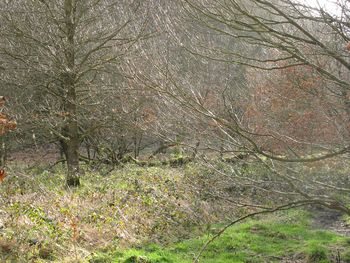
{"x":266,"y":240}
{"x":133,"y":206}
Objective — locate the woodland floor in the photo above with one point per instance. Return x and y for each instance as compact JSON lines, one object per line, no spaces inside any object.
{"x":150,"y":215}
{"x":330,"y":220}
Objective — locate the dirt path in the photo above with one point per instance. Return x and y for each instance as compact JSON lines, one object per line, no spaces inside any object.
{"x":330,"y":220}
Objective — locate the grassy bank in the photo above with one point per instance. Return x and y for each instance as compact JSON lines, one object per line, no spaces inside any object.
{"x":42,"y":220}
{"x":288,"y":237}
{"x":145,"y":214}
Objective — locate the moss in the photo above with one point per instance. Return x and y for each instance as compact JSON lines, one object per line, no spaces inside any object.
{"x":180,"y":161}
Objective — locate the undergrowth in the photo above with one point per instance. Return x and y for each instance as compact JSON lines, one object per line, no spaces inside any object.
{"x":42,"y":220}
{"x":145,"y":214}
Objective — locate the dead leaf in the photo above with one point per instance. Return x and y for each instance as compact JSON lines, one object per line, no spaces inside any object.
{"x":2,"y":175}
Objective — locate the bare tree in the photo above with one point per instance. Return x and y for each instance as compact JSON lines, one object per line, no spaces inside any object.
{"x":63,"y":58}
{"x":273,"y":36}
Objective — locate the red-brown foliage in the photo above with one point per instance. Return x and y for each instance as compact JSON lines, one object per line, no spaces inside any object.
{"x":295,"y":109}
{"x":5,"y":123}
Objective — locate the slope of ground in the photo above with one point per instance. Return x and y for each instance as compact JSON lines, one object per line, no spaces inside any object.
{"x":288,"y":237}
{"x":114,"y":217}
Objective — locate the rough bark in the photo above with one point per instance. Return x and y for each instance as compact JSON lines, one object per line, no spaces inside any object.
{"x":70,"y":129}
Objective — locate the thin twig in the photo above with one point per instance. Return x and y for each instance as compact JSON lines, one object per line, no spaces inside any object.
{"x":266,"y":211}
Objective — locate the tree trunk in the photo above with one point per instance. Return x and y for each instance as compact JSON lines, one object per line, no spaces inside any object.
{"x":70,"y":129}
{"x":71,"y":144}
